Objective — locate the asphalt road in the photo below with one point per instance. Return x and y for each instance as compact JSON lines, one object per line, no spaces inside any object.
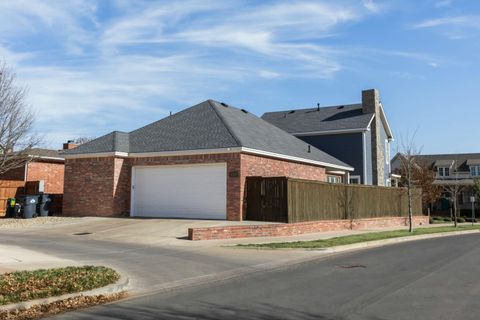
{"x":429,"y":279}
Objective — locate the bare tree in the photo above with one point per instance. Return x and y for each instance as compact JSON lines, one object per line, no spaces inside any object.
{"x":453,"y":187}
{"x":82,"y":140}
{"x":16,"y":122}
{"x":476,"y":187}
{"x":409,"y":153}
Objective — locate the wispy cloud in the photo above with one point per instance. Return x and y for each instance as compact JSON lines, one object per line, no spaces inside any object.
{"x":453,"y":27}
{"x":443,"y":3}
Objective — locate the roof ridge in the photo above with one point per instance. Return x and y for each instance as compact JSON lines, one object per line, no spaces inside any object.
{"x":225,"y":122}
{"x":315,"y":108}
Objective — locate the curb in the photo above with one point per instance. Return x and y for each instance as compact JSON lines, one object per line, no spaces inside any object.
{"x":269,"y":266}
{"x":121,"y":285}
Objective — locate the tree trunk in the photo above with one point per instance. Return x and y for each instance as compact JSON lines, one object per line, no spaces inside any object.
{"x":410,"y":213}
{"x":455,"y":211}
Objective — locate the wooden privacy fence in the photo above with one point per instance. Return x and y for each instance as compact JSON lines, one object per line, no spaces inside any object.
{"x":281,"y":199}
{"x":9,"y":189}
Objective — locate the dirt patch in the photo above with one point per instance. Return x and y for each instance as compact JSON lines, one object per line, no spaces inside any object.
{"x":61,"y":306}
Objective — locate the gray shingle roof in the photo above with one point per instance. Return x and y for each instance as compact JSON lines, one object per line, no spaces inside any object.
{"x":460,"y":161}
{"x":208,"y":125}
{"x":40,"y":152}
{"x":325,"y":119}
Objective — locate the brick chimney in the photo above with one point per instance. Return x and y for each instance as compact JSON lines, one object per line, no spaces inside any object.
{"x":69,"y":145}
{"x":371,"y":104}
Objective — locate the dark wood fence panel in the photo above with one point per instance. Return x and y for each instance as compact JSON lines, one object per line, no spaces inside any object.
{"x":267,"y":199}
{"x":293,"y":200}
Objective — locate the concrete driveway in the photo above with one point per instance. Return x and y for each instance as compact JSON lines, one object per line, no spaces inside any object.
{"x":152,"y":253}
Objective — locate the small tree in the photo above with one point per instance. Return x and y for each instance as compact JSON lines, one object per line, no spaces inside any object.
{"x":476,"y":187}
{"x":453,"y":188}
{"x":424,"y":177}
{"x":408,"y":165}
{"x":16,"y":122}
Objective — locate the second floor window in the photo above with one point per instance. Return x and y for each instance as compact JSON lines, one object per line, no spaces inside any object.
{"x":475,"y":171}
{"x":443,"y":172}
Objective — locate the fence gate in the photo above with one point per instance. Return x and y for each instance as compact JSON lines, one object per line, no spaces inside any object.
{"x":267,"y":199}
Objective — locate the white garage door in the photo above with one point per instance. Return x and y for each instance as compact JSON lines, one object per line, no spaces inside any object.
{"x":190,"y":191}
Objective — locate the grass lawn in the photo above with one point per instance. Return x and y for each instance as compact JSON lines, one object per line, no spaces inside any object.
{"x":29,"y":285}
{"x":339,"y":241}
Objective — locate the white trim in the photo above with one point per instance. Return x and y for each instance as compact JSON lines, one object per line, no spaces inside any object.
{"x":370,"y":123}
{"x":297,"y":159}
{"x":338,"y":172}
{"x":386,"y":124}
{"x":46,"y":158}
{"x":364,"y":158}
{"x":207,"y":151}
{"x":320,"y":133}
{"x":132,"y":193}
{"x":97,"y":155}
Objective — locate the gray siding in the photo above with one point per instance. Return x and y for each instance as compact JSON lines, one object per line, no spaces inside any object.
{"x":347,"y":147}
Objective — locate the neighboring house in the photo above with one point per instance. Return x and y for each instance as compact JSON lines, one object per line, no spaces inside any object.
{"x":357,"y":134}
{"x":192,"y":164}
{"x":46,"y":165}
{"x":450,"y":169}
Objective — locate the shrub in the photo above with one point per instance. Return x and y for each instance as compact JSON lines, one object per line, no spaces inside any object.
{"x":447,"y":219}
{"x":460,"y":220}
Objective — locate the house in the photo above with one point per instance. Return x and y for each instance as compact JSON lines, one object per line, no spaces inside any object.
{"x":192,"y":164}
{"x":357,"y":134}
{"x":450,"y":170}
{"x":46,"y":165}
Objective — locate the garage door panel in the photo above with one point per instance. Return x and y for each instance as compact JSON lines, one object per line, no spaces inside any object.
{"x":197,"y":192}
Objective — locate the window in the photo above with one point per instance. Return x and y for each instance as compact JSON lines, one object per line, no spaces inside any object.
{"x":443,"y":172}
{"x":354,"y":180}
{"x":475,"y":171}
{"x":334,"y":179}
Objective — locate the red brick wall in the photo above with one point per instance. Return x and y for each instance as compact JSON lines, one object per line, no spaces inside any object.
{"x":89,"y":182}
{"x":290,"y":229}
{"x":51,"y":173}
{"x":88,"y":188}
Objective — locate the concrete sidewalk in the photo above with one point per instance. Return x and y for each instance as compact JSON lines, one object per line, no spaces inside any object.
{"x":15,"y":258}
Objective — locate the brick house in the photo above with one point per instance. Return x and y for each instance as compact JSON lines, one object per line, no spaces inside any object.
{"x":46,"y":165}
{"x":450,"y":170}
{"x":358,"y":134}
{"x":192,"y":164}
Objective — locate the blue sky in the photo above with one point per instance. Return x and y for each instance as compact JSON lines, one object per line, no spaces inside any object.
{"x":97,"y":66}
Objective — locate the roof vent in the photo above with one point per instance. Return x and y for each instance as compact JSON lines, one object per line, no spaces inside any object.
{"x":309,"y":149}
{"x":318,"y":106}
{"x":293,"y":111}
{"x":341,"y":107}
{"x":244,"y":111}
{"x":224,"y":104}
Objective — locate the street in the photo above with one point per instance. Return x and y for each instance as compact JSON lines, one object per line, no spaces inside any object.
{"x":429,"y":279}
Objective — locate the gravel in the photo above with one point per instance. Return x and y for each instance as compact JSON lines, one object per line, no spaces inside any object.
{"x":22,"y":223}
